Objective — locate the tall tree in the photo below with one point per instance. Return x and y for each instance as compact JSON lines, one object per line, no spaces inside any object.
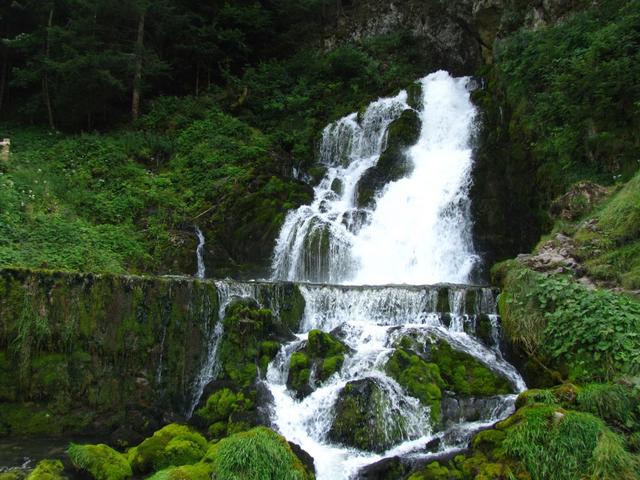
{"x":137,"y":75}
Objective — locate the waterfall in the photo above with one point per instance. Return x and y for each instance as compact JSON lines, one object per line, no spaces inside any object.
{"x":366,"y":270}
{"x":419,"y":230}
{"x":200,"y":254}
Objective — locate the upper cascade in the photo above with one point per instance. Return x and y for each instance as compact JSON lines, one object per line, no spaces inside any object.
{"x":418,"y":229}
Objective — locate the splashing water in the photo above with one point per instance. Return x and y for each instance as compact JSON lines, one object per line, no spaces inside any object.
{"x":200,"y":273}
{"x":417,"y":232}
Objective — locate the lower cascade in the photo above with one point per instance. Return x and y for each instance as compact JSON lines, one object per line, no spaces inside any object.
{"x":388,"y":360}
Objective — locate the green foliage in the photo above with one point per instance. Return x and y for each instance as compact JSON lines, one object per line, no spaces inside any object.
{"x":572,"y":94}
{"x":594,"y":333}
{"x":557,"y":444}
{"x":617,"y":404}
{"x":259,"y":454}
{"x":120,"y":203}
{"x":172,"y":445}
{"x":100,"y":461}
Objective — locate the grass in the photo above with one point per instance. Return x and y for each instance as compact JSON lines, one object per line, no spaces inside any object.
{"x":259,"y":454}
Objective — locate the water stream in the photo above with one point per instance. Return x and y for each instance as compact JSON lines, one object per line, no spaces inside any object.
{"x":417,"y":232}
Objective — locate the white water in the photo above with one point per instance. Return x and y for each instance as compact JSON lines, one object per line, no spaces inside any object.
{"x":370,"y":320}
{"x":417,"y":232}
{"x":200,"y":254}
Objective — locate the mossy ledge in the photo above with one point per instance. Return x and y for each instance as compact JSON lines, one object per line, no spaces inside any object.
{"x":86,"y":353}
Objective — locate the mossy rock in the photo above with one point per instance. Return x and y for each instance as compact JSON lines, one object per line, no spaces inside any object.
{"x":100,"y":461}
{"x":173,"y":444}
{"x":47,"y":470}
{"x":393,"y":163}
{"x":257,"y":454}
{"x":247,"y":343}
{"x":218,"y":409}
{"x":419,"y":378}
{"x":364,"y":419}
{"x":465,"y":375}
{"x":321,"y":357}
{"x":197,"y":471}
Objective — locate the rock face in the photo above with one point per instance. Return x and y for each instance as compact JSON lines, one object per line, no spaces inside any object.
{"x":363,"y":418}
{"x":446,"y":41}
{"x":79,"y":350}
{"x":86,"y":353}
{"x":393,"y":163}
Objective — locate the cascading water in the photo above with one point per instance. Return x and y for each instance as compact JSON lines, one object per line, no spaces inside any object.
{"x":416,"y":233}
{"x":419,"y":229}
{"x":200,"y":273}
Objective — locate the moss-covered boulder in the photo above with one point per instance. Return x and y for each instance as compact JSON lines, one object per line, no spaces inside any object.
{"x":465,"y":375}
{"x":47,"y":470}
{"x":364,"y":417}
{"x":173,"y":444}
{"x":393,"y":163}
{"x":427,"y":367}
{"x":419,"y":378}
{"x":227,"y":411}
{"x":321,"y":357}
{"x":250,"y":341}
{"x":101,"y":462}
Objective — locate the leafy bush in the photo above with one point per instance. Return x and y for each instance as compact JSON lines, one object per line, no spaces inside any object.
{"x":573,"y":93}
{"x":594,"y":333}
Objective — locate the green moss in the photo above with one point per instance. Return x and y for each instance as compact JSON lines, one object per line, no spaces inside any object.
{"x":242,"y":348}
{"x":223,"y":403}
{"x":421,"y":379}
{"x":259,"y":454}
{"x":321,"y":356}
{"x":464,"y":374}
{"x":299,"y":373}
{"x":197,"y":471}
{"x":172,"y":445}
{"x":364,"y":417}
{"x":100,"y":461}
{"x":47,"y":470}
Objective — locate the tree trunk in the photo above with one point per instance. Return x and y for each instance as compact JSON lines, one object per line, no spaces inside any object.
{"x":45,"y":78}
{"x":197,"y":80}
{"x":137,"y":76}
{"x":3,"y":75}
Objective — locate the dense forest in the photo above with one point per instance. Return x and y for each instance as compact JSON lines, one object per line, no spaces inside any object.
{"x":157,"y":147}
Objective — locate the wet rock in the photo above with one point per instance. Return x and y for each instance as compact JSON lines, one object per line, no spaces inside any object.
{"x":124,"y":437}
{"x":467,"y":409}
{"x":386,"y":469}
{"x":393,"y":163}
{"x":303,"y":456}
{"x":364,"y":418}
